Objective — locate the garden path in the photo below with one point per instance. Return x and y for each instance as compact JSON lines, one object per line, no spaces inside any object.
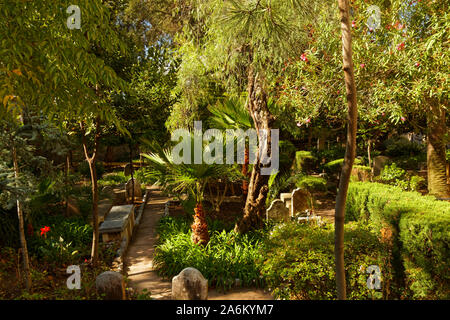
{"x":139,"y":259}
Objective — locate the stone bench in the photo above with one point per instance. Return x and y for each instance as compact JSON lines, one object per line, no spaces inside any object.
{"x":118,"y":224}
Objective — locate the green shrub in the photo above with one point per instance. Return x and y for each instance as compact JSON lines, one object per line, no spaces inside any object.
{"x":304,"y":160}
{"x":393,"y":175}
{"x":299,"y":262}
{"x":112,"y":179}
{"x":400,"y":146}
{"x":420,"y":234}
{"x":334,"y":167}
{"x":311,"y":183}
{"x":396,"y":176}
{"x":416,"y":183}
{"x":411,"y":162}
{"x":68,"y":240}
{"x":228,"y":256}
{"x":326,"y":155}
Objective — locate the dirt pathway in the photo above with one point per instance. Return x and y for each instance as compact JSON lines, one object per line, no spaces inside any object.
{"x":139,"y":259}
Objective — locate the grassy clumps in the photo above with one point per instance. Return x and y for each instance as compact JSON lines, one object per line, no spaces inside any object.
{"x":227,"y":257}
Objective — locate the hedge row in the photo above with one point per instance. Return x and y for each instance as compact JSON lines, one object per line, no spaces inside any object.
{"x":298,"y":262}
{"x":418,"y":230}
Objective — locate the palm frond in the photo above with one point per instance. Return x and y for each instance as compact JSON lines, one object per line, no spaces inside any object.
{"x":230,"y":113}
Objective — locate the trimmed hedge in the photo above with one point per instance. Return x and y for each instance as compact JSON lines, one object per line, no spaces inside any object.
{"x":298,"y":262}
{"x":416,"y":226}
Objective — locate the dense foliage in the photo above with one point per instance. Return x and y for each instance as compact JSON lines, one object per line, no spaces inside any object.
{"x":416,"y":227}
{"x":227,"y":257}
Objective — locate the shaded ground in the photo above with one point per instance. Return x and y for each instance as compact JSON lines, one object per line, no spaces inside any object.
{"x":139,"y":260}
{"x":325,"y":205}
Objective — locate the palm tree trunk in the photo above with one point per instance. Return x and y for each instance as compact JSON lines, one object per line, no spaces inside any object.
{"x":350,"y":151}
{"x":23,"y":240}
{"x":436,"y":158}
{"x":200,"y":234}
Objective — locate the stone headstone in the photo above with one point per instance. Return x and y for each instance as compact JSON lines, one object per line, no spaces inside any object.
{"x":111,"y":284}
{"x":104,"y":206}
{"x":287,"y":199}
{"x":277,"y":211}
{"x":300,"y":201}
{"x":108,"y":190}
{"x":359,"y":174}
{"x":127,"y":170}
{"x":189,"y":284}
{"x":119,"y":197}
{"x":378,"y":164}
{"x":137,"y":189}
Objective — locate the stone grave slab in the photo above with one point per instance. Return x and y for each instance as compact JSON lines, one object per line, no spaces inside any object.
{"x":287,"y":199}
{"x":137,"y":189}
{"x":277,"y":211}
{"x":119,"y":222}
{"x":300,"y":200}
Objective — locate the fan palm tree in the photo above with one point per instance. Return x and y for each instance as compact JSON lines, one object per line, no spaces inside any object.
{"x":231,"y":113}
{"x":191,"y":178}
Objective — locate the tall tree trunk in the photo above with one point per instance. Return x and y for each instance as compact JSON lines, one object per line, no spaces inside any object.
{"x":350,"y":150}
{"x":92,"y":161}
{"x":436,"y":158}
{"x":254,"y":210}
{"x":23,"y":240}
{"x":66,"y":181}
{"x":132,"y":173}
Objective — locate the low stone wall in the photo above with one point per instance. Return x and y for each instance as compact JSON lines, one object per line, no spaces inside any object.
{"x":120,"y":254}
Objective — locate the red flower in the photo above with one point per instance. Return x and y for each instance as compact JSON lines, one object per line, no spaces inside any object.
{"x":353,"y":24}
{"x":401,"y":46}
{"x":44,"y":230}
{"x":362,"y":65}
{"x":303,"y":57}
{"x":403,"y":119}
{"x":417,"y":64}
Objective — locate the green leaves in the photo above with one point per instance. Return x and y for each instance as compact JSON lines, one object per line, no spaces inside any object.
{"x":59,"y":66}
{"x":226,"y":257}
